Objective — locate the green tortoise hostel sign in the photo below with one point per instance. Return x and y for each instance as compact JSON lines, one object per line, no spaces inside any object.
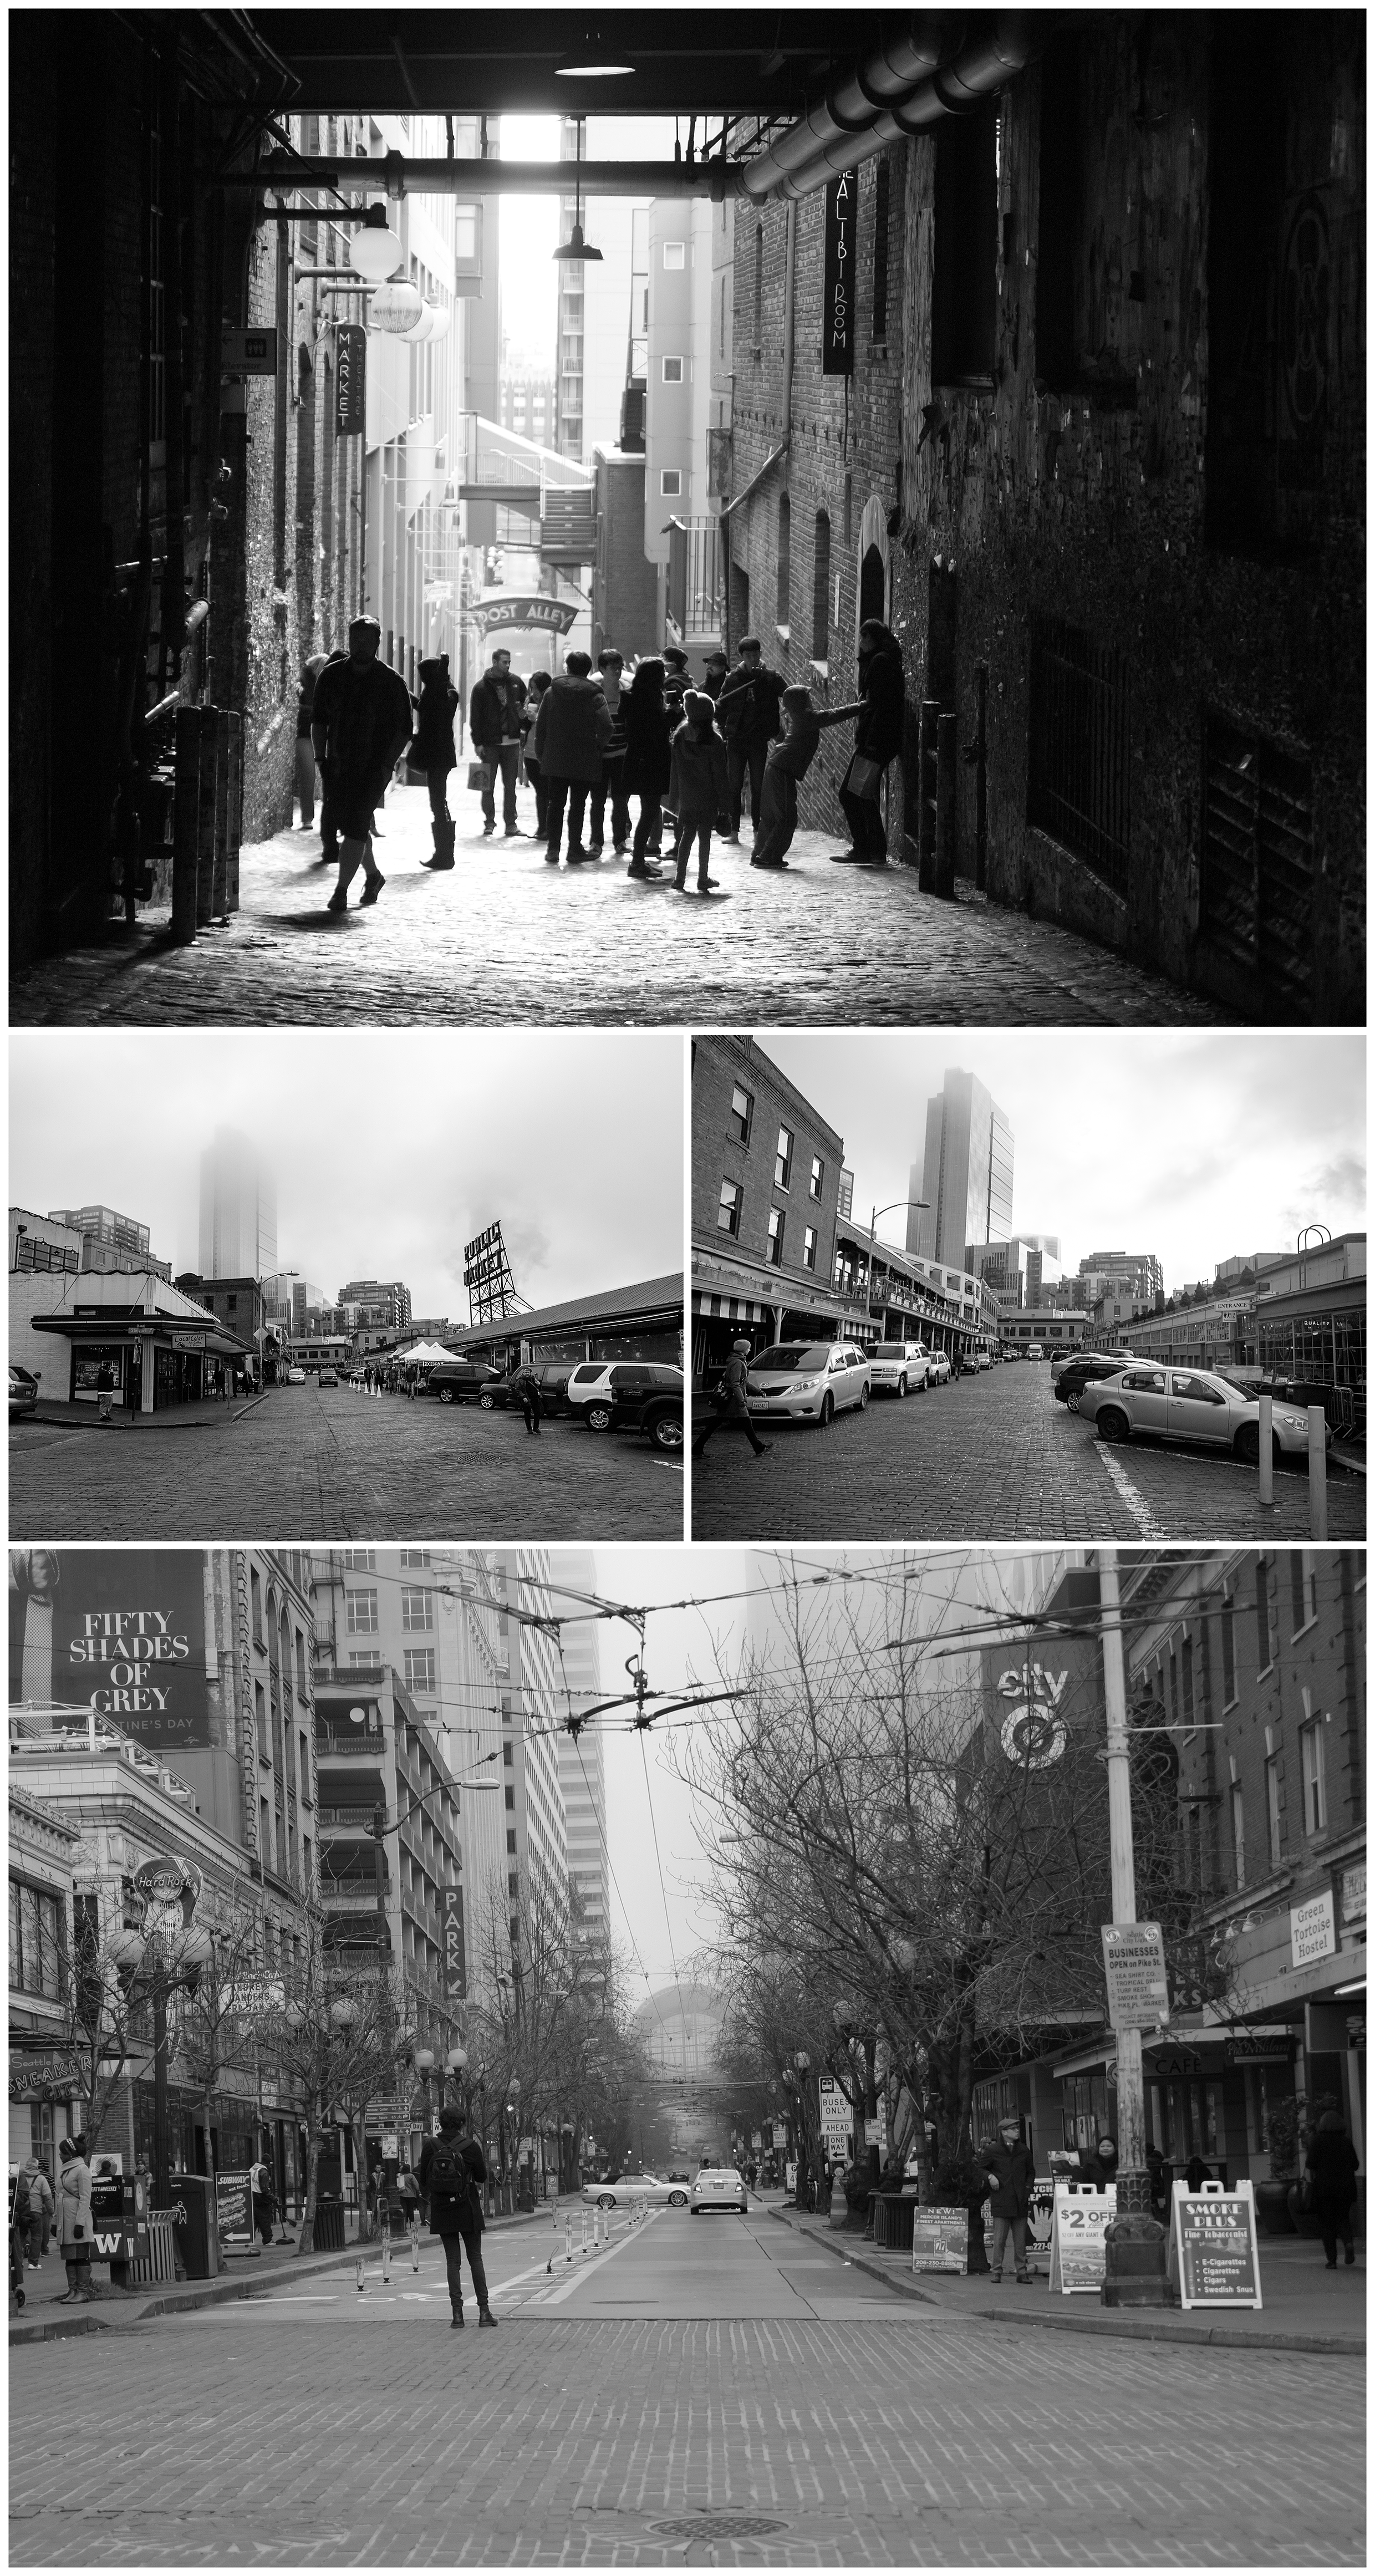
{"x":118,"y":1631}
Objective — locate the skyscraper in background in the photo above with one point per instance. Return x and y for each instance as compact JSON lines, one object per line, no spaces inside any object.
{"x":582,"y":1762}
{"x":965,"y":1174}
{"x":238,"y":1210}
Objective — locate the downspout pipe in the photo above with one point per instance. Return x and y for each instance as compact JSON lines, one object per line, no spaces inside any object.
{"x":851,"y":107}
{"x":986,"y":62}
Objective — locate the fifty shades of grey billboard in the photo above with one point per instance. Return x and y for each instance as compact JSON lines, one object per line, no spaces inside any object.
{"x":119,"y":1631}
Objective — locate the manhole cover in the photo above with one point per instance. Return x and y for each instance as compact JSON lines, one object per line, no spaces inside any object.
{"x":717,"y":2526}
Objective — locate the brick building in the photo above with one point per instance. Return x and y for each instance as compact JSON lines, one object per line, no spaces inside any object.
{"x":1102,"y":463}
{"x":765,"y":1205}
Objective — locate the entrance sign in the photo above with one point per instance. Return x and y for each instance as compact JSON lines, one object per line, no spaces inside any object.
{"x":837,"y":2119}
{"x":1134,"y":1965}
{"x":838,"y":291}
{"x":1078,"y":2256}
{"x":1214,"y":2258}
{"x":940,"y":2240}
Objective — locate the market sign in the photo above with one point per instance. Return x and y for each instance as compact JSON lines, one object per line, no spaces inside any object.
{"x":350,"y":380}
{"x":838,"y":288}
{"x":1079,"y":2223}
{"x":118,"y":1631}
{"x":516,"y":608}
{"x":1214,"y":2260}
{"x":940,"y":2240}
{"x":1313,"y":1930}
{"x":455,"y":1955}
{"x":1134,"y":1966}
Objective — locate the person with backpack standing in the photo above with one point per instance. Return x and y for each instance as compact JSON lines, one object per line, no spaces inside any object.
{"x":450,"y":2168}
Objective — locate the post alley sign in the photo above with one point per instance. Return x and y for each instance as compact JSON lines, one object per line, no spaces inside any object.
{"x":118,"y":1631}
{"x":838,"y":289}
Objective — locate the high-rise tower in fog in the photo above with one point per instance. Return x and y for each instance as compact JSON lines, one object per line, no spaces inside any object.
{"x":965,"y":1173}
{"x":238,"y":1227}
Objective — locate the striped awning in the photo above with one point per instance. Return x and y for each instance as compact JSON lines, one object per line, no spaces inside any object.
{"x":731,"y":1310}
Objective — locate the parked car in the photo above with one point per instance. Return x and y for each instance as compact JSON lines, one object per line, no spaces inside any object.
{"x":719,"y":2187}
{"x":940,"y":1368}
{"x":295,"y":1377}
{"x":23,"y":1390}
{"x":982,"y":1360}
{"x":551,"y":1377}
{"x":631,"y":1395}
{"x":461,"y":1381}
{"x":808,"y":1381}
{"x":1067,"y":1383}
{"x":645,"y":2189}
{"x":1188,"y":1404}
{"x":898,"y":1367}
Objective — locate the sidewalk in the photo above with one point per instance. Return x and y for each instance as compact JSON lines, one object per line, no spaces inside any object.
{"x":44,"y":2319}
{"x":207,"y":1415}
{"x":1307,"y":2308}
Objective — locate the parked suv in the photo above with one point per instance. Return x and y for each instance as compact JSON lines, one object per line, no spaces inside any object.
{"x":898,"y":1367}
{"x":1067,"y":1384}
{"x":462,"y":1381}
{"x":551,"y":1377}
{"x":630,"y":1395}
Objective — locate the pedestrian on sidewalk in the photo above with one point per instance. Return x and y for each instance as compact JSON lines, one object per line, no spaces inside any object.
{"x":1010,"y":2168}
{"x":1332,"y":2168}
{"x":105,"y":1391}
{"x":360,"y":726}
{"x":433,"y":751}
{"x":698,"y":788}
{"x":749,"y":705}
{"x":786,"y":763}
{"x":735,"y":1413}
{"x":1100,"y":2166}
{"x":878,"y":739}
{"x":494,"y":721}
{"x":571,"y":732}
{"x":611,"y":666}
{"x":305,"y":748}
{"x":451,"y":2172}
{"x":329,"y":828}
{"x":676,"y":681}
{"x":28,"y":2211}
{"x":47,"y":2207}
{"x":528,"y":1389}
{"x":534,"y":767}
{"x":714,"y":672}
{"x":74,"y":2188}
{"x":649,"y":727}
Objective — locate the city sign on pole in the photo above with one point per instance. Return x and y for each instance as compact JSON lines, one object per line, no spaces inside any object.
{"x":1134,"y":1966}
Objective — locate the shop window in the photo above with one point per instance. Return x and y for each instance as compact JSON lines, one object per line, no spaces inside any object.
{"x":821,"y":589}
{"x":775,"y":1246}
{"x":1079,"y":747}
{"x":783,"y":1159}
{"x":728,"y":1208}
{"x":1314,"y":1778}
{"x":785,"y":544}
{"x":741,"y":1114}
{"x":964,"y":291}
{"x":1058,"y":236}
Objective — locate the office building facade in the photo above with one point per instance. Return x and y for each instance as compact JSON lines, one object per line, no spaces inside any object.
{"x":965,"y":1174}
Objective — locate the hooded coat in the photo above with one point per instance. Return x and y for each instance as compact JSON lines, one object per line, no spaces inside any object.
{"x":571,"y":730}
{"x":1334,"y":2165}
{"x":699,"y":781}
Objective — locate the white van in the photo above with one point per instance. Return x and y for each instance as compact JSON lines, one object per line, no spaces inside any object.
{"x":900,"y":1367}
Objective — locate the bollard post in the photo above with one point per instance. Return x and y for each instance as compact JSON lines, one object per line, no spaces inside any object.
{"x":926,"y":795}
{"x":1267,"y":1454}
{"x":219,"y":892}
{"x":945,"y":807}
{"x":1317,"y":1472}
{"x":185,"y":824}
{"x":386,"y":2244}
{"x":205,"y":821}
{"x":568,"y":2240}
{"x":415,"y":2244}
{"x":360,"y":2273}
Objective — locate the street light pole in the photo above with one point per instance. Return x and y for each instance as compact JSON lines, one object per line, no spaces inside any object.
{"x":1133,"y":2177}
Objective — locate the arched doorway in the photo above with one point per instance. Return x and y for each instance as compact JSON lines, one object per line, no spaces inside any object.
{"x":873,"y":585}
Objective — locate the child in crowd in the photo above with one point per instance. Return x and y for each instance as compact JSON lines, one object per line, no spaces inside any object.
{"x":788,"y":761}
{"x":698,"y":787}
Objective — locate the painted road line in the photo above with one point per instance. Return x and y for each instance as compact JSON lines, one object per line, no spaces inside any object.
{"x":561,"y":2290}
{"x":1136,"y":1502}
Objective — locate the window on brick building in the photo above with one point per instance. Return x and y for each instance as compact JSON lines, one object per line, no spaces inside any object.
{"x":1229,"y":1656}
{"x":821,"y":589}
{"x":1238,"y":1833}
{"x":785,"y":547}
{"x":880,"y":319}
{"x":1314,"y":1778}
{"x":775,"y":1252}
{"x":783,"y":1160}
{"x":818,"y":1176}
{"x":964,"y":288}
{"x":728,"y":1208}
{"x":741,"y":1114}
{"x":809,"y":1247}
{"x":1262,"y":1615}
{"x":1273,"y":1815}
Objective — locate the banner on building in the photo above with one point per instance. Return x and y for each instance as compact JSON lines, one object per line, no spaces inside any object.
{"x":524,"y":608}
{"x":350,"y":380}
{"x":838,"y":289}
{"x":118,"y":1631}
{"x":455,"y":1953}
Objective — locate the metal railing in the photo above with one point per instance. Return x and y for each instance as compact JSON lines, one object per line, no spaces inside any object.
{"x":694,"y":577}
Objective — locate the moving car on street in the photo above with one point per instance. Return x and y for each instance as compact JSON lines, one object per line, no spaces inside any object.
{"x":1035,"y":1351}
{"x":630,"y":1395}
{"x":808,"y":1381}
{"x":629,"y":2190}
{"x":23,"y":1390}
{"x":295,"y":1377}
{"x":329,"y":1377}
{"x":899,"y":1368}
{"x":1188,"y":1404}
{"x":461,"y":1381}
{"x":719,"y":2187}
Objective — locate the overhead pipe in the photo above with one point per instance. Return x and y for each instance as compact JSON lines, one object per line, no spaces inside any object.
{"x":395,"y":175}
{"x":852,"y":106}
{"x":1003,"y":47}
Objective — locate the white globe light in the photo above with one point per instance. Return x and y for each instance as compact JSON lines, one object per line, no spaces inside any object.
{"x":375,"y":251}
{"x":443,"y":319}
{"x":396,"y":308}
{"x":423,"y":327}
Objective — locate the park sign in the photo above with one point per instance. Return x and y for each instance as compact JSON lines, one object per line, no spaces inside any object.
{"x":455,"y":1956}
{"x":1080,"y":2220}
{"x":1134,"y":1966}
{"x":1214,"y":2258}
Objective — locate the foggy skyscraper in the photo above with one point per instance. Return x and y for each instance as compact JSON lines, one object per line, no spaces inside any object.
{"x":238,"y":1227}
{"x":965,"y":1173}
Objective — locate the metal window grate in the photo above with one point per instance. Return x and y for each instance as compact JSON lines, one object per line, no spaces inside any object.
{"x":1080,"y":747}
{"x":1256,"y":886}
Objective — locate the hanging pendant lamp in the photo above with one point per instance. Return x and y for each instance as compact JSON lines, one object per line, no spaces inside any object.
{"x":576,"y":247}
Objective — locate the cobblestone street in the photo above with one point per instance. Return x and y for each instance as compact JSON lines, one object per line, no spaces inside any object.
{"x":991,"y":1457}
{"x":336,"y":1464}
{"x":513,"y":940}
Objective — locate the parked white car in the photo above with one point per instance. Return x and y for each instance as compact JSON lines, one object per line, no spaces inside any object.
{"x":642,"y":2190}
{"x":1189,"y":1404}
{"x":940,"y":1368}
{"x":808,"y":1381}
{"x":1034,"y":1351}
{"x":899,"y":1368}
{"x":719,"y":2187}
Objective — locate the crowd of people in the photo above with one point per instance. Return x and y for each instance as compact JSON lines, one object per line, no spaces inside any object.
{"x":592,"y":742}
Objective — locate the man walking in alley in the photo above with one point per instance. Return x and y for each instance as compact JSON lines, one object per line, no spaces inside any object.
{"x":1009,"y":2167}
{"x":735,"y":1413}
{"x":360,"y":725}
{"x":571,"y":733}
{"x":450,"y":2173}
{"x":494,"y":713}
{"x":748,"y":713}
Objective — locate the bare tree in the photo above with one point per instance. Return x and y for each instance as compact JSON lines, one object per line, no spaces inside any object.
{"x":343,"y":2037}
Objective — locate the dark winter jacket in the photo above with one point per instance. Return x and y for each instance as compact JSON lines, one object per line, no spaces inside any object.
{"x":488,"y":722}
{"x":572,"y":728}
{"x":878,"y":734}
{"x":1097,"y":2169}
{"x":1015,"y":2168}
{"x":450,"y":2217}
{"x":756,"y":717}
{"x":699,"y":782}
{"x":364,"y":712}
{"x":433,"y":747}
{"x":1334,"y":2165}
{"x":648,"y":745}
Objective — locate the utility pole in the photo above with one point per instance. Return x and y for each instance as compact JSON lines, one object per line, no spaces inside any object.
{"x":1133,"y":2177}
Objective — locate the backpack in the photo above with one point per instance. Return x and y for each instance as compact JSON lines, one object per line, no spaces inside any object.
{"x":450,"y":2178}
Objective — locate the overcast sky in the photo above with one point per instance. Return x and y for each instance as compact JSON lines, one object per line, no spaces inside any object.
{"x":392,"y":1147}
{"x":1191,"y":1145}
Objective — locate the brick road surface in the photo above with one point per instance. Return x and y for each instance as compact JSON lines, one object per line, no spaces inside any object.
{"x":515,"y":940}
{"x":337,"y":1464}
{"x":351,"y":2434}
{"x":991,"y":1457}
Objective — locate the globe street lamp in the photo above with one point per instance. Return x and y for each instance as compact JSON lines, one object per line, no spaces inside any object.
{"x":148,"y":1972}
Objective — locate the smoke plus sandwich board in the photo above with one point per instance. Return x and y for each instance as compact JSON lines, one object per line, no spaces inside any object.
{"x":1214,"y":2258}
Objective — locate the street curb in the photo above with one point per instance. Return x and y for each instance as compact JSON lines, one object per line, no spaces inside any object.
{"x":216,"y":2294}
{"x":1160,"y":2328}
